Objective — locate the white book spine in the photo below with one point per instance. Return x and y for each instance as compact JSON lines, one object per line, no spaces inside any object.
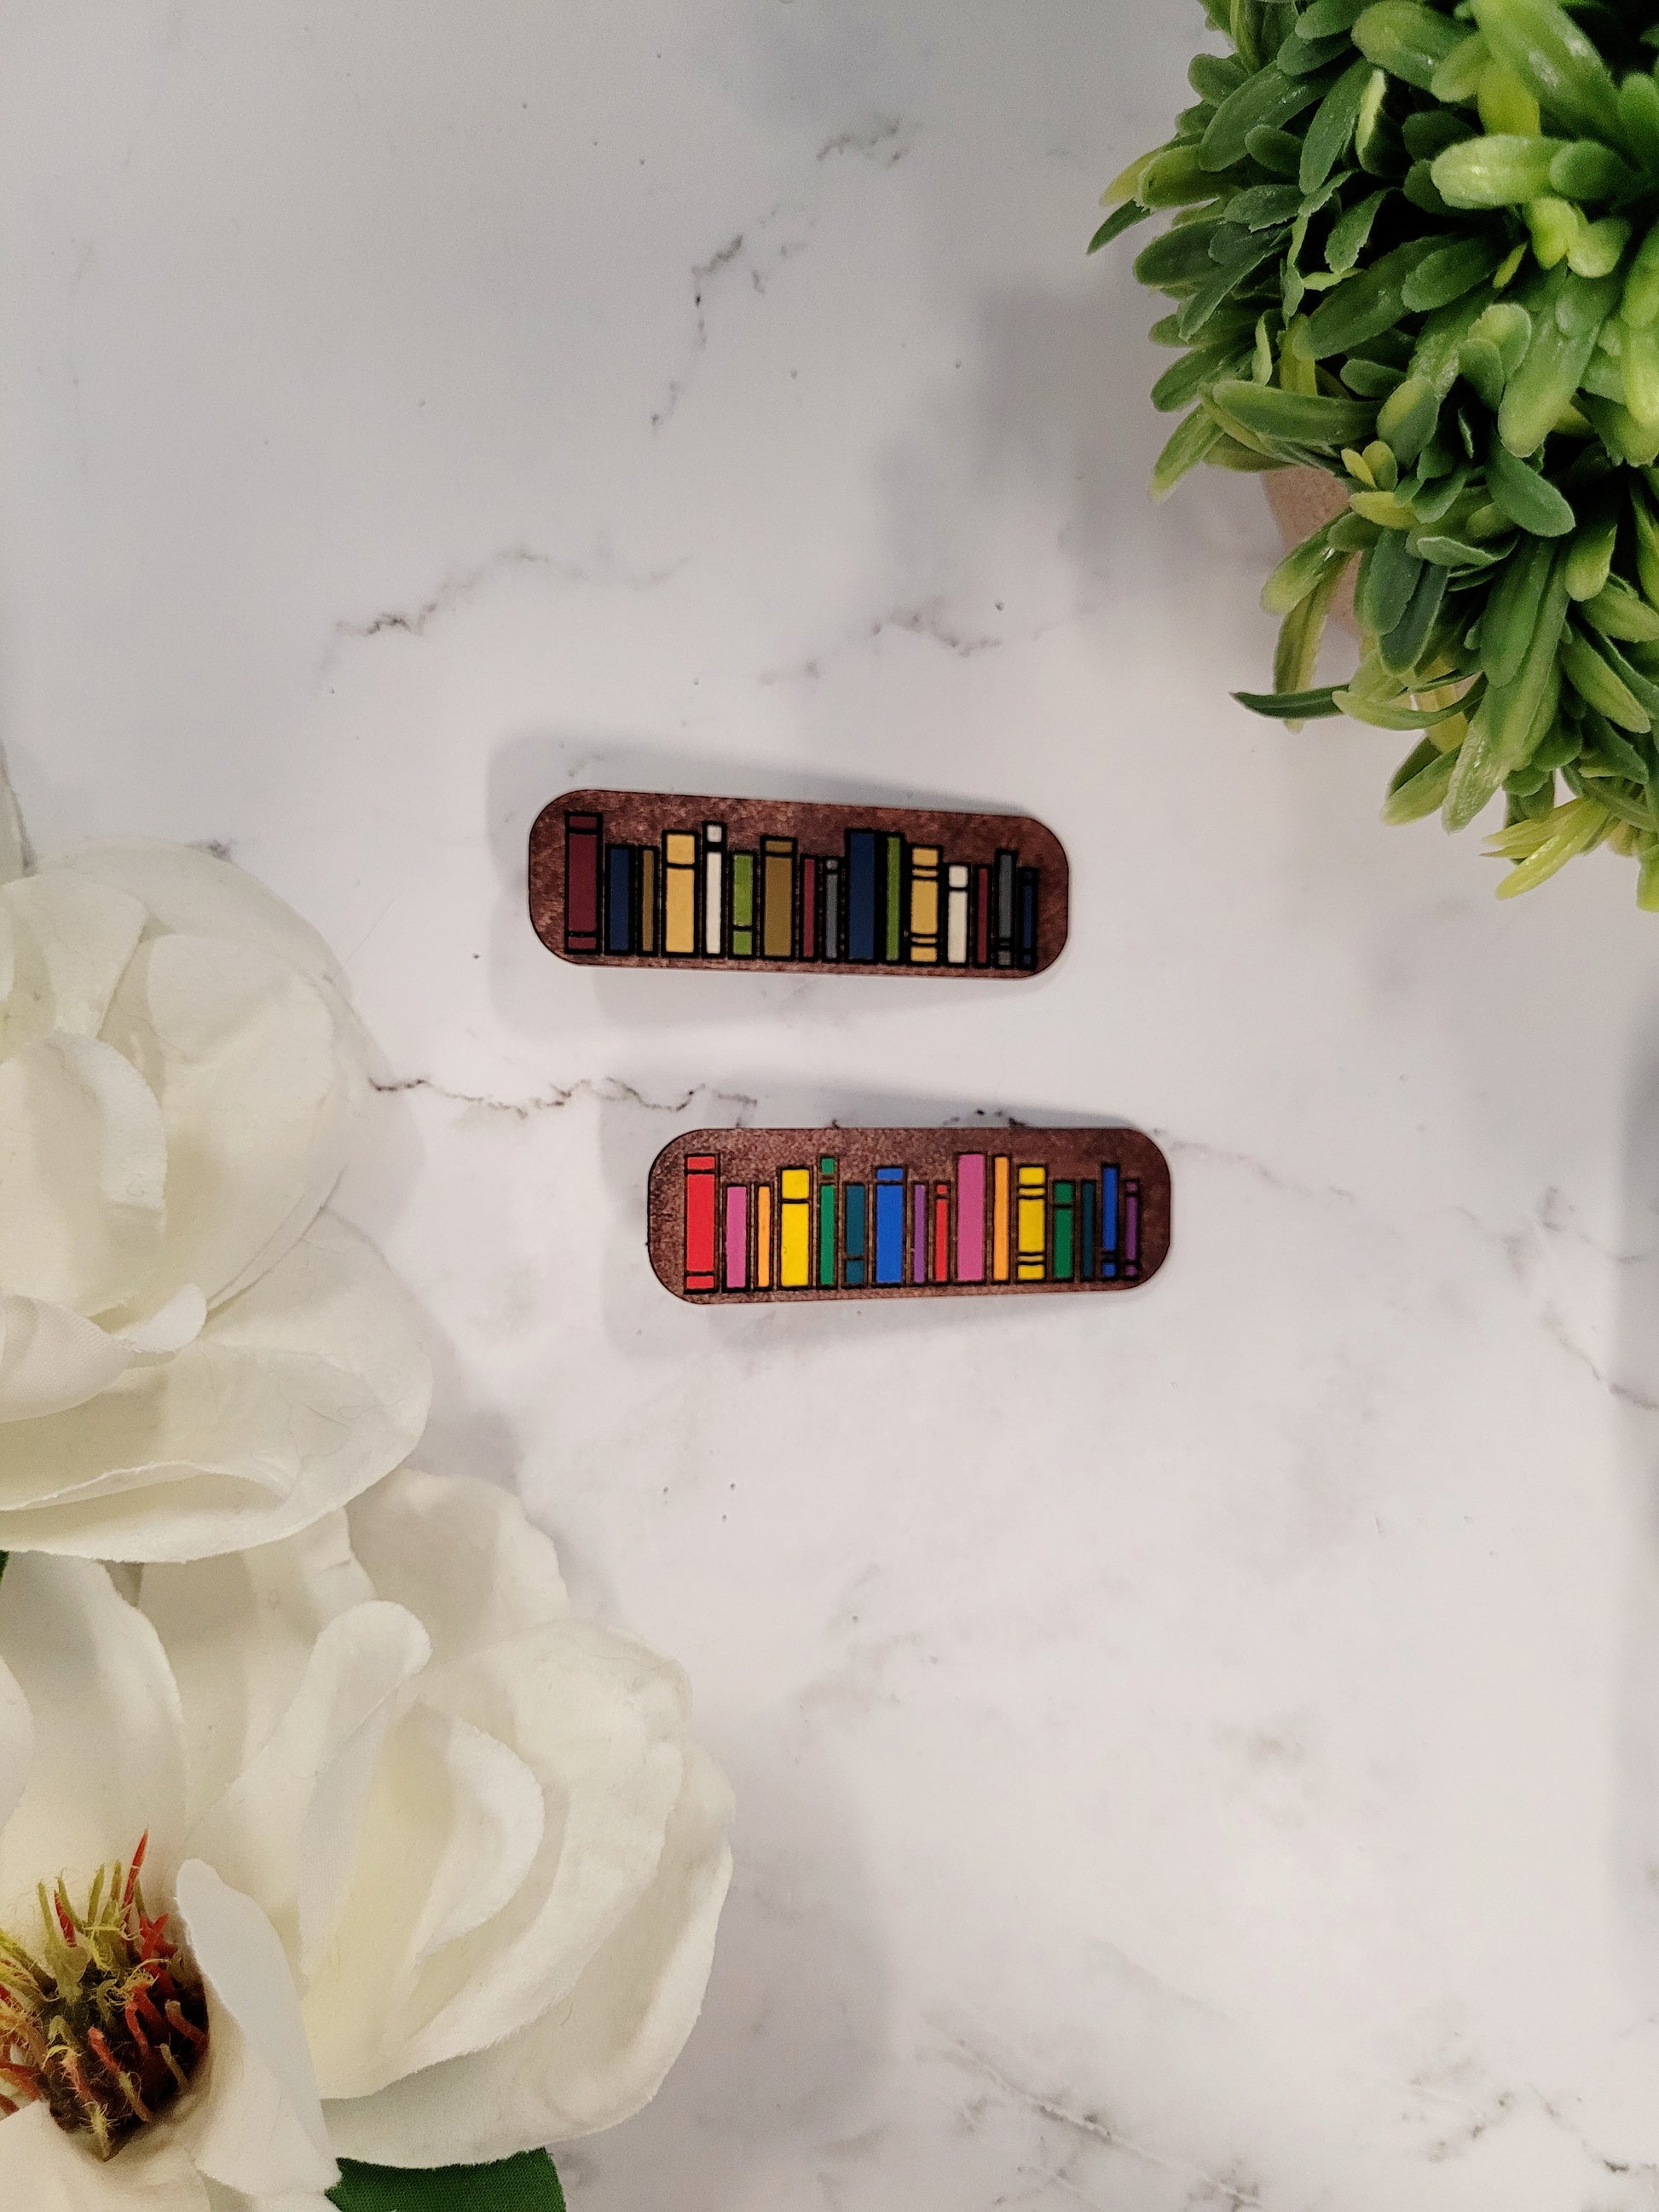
{"x":955,"y":917}
{"x":714,"y":903}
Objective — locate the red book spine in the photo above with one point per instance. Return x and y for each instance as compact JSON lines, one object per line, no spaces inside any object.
{"x":809,"y":910}
{"x":582,"y":882}
{"x":701,"y":1191}
{"x":941,"y":1232}
{"x":981,"y":917}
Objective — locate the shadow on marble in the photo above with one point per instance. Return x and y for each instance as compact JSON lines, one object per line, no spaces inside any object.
{"x":648,"y":1323}
{"x":532,"y":991}
{"x":792,"y":2041}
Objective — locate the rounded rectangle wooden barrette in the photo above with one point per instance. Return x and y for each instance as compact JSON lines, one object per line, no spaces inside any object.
{"x":654,"y":879}
{"x":744,"y":1216}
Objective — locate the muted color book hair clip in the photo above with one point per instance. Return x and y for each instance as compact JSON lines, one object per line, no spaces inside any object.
{"x":646,"y":880}
{"x":741,"y":1216}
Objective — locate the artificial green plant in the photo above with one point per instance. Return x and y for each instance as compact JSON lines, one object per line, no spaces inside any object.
{"x":1416,"y":244}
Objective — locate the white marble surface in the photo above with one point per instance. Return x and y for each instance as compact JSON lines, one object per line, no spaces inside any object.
{"x":1194,"y":1750}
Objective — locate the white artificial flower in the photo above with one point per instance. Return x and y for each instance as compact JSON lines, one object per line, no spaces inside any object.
{"x":445,"y":1857}
{"x":192,"y":1357}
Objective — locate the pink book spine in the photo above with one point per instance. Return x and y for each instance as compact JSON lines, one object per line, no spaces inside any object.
{"x":737,"y":1237}
{"x":970,"y":1218}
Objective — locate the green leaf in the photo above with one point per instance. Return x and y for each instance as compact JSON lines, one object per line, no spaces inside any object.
{"x":1372,"y":301}
{"x":1497,"y":171}
{"x":1408,"y":40}
{"x":1451,"y":270}
{"x":1121,"y":219}
{"x":1556,"y":62}
{"x":1266,"y":100}
{"x":1296,"y":417}
{"x":1291,"y":706}
{"x":524,"y":2184}
{"x":1519,"y":491}
{"x":1331,"y":132}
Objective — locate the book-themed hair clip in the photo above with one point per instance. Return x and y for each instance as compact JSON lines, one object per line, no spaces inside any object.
{"x":646,"y":880}
{"x":744,"y":1216}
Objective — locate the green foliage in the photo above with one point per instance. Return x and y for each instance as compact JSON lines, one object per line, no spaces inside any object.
{"x":524,"y":2184}
{"x":1415,"y":243}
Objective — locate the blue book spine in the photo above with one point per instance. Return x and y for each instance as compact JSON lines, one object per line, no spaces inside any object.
{"x":861,"y":895}
{"x":1026,"y":941}
{"x":618,"y":898}
{"x":1108,"y":1179}
{"x":890,"y":1225}
{"x":852,"y":1244}
{"x":1087,"y":1230}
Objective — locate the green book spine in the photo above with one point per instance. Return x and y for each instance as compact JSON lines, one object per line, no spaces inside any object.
{"x":743,"y":906}
{"x":1064,"y":1259}
{"x":826,"y":1224}
{"x":894,"y":949}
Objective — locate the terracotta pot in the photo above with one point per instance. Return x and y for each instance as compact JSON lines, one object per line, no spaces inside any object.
{"x":1302,"y":499}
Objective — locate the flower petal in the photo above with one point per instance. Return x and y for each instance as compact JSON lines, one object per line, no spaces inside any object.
{"x":51,"y":1358}
{"x":601,"y":1725}
{"x":310,"y":1386}
{"x":462,"y":1555}
{"x":257,"y":2126}
{"x":47,"y":2170}
{"x":286,"y":1829}
{"x":258,"y":1084}
{"x":592,"y":2061}
{"x":82,"y":1171}
{"x":12,"y":858}
{"x":71,"y":942}
{"x":238,"y":1632}
{"x":108,"y":1761}
{"x":192,"y":891}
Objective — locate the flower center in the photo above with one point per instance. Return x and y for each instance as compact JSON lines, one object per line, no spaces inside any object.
{"x":105,"y":2020}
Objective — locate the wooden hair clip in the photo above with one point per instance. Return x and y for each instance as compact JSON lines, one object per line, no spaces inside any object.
{"x":742,"y":1216}
{"x":644,"y":879}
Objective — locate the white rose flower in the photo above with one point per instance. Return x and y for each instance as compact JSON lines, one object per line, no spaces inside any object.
{"x":443,"y":1861}
{"x":191,"y":1356}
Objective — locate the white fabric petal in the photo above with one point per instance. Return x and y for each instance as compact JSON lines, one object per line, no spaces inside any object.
{"x":82,"y":1173}
{"x":257,"y":2126}
{"x":43,"y":2170}
{"x":192,"y":891}
{"x":16,"y":1743}
{"x":453,"y":1825}
{"x":238,"y":1632}
{"x":259,"y":1087}
{"x":108,"y":1764}
{"x":72,"y":940}
{"x":286,"y":1829}
{"x":587,"y":2063}
{"x":51,"y":1358}
{"x":307,"y":1388}
{"x":600,"y":1723}
{"x":463,"y":1555}
{"x":171,"y":1326}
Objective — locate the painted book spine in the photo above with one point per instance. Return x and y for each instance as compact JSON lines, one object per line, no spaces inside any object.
{"x":1109,"y":1192}
{"x":737,"y":1237}
{"x":618,"y":898}
{"x":809,"y":907}
{"x":890,"y":1225}
{"x":1031,"y":1230}
{"x":778,"y":897}
{"x":713,"y":890}
{"x":1002,"y":920}
{"x":893,"y":898}
{"x":1025,"y":919}
{"x":918,"y":1232}
{"x":1064,"y":1261}
{"x":941,"y":1232}
{"x":981,"y":917}
{"x":956,"y":915}
{"x":970,"y":1218}
{"x":1001,"y":1237}
{"x":794,"y":1229}
{"x":924,"y":906}
{"x":832,"y":910}
{"x":583,"y":835}
{"x":679,"y":892}
{"x":1131,"y":1228}
{"x":852,"y":1237}
{"x":1088,"y":1230}
{"x":701,"y":1189}
{"x":860,"y":895}
{"x":827,"y":1197}
{"x":645,"y":862}
{"x":763,"y":1236}
{"x":743,"y":906}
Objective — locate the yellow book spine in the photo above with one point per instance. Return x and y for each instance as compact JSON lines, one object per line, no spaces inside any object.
{"x":924,"y":905}
{"x":1000,"y":1239}
{"x":778,"y":898}
{"x":764,"y":1237}
{"x":1033,"y":1225}
{"x":794,"y":1229}
{"x":679,"y":892}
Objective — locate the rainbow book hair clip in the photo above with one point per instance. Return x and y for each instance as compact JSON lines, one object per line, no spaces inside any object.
{"x":646,"y":880}
{"x":742,"y":1216}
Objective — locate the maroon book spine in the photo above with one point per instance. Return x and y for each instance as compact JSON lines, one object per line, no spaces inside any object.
{"x":981,"y":917}
{"x":582,"y":838}
{"x":809,"y":910}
